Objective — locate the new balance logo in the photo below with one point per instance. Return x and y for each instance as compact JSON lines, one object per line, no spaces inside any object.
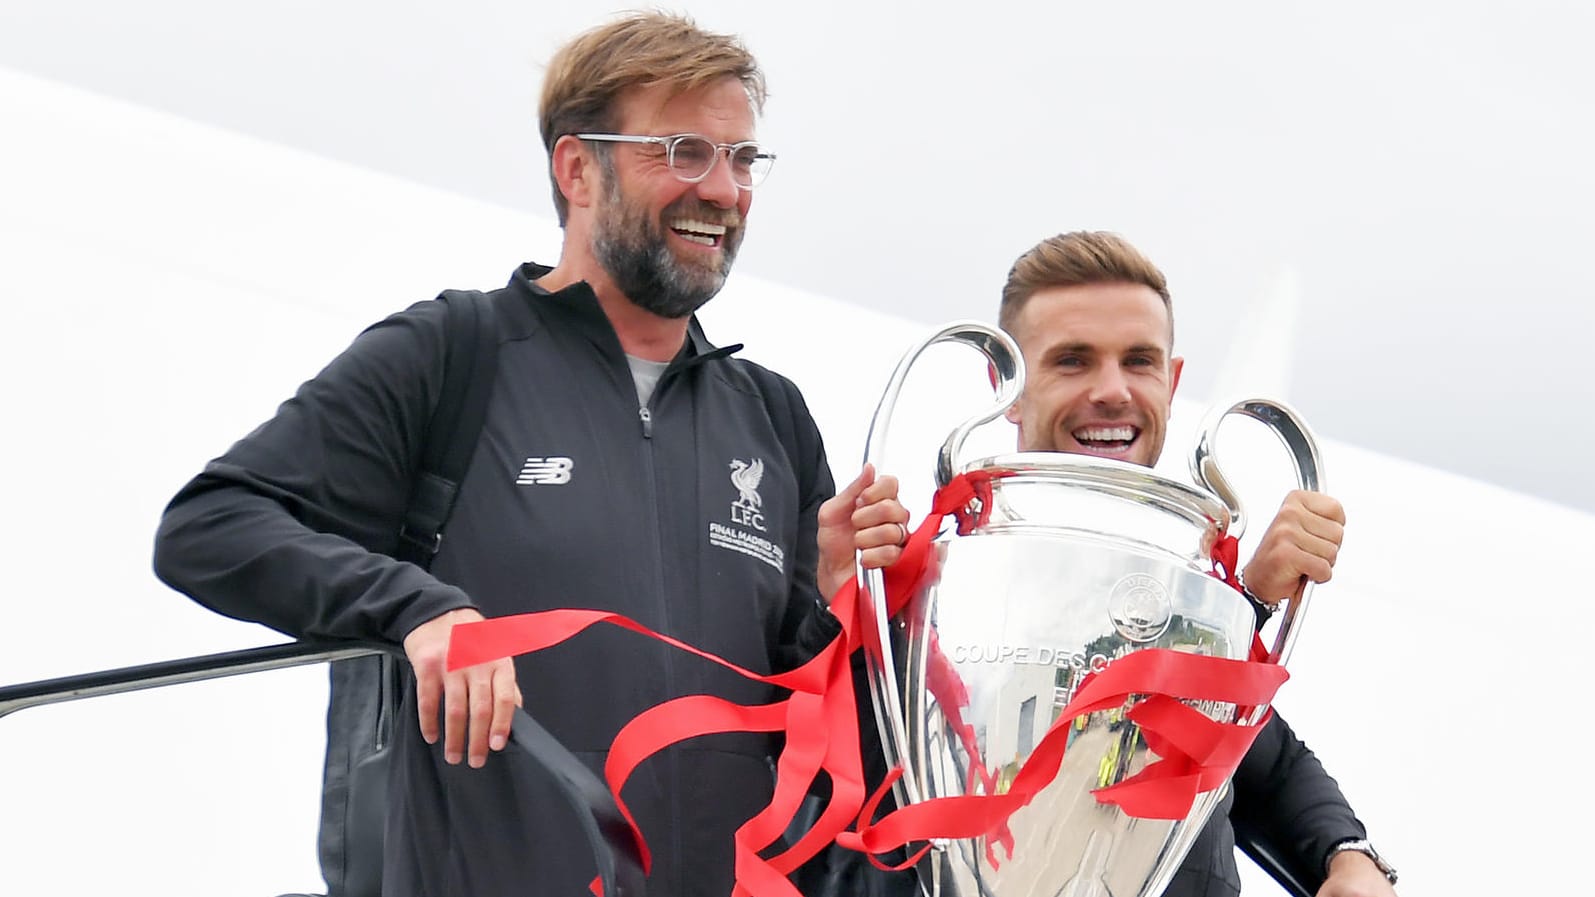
{"x":545,"y":472}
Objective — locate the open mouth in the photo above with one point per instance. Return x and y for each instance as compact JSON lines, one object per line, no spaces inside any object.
{"x":1107,"y":440}
{"x":700,"y":232}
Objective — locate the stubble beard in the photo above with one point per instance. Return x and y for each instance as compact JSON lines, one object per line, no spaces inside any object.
{"x":632,"y":250}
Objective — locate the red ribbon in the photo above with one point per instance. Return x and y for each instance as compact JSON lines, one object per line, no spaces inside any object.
{"x":820,"y":721}
{"x":1226,"y":566}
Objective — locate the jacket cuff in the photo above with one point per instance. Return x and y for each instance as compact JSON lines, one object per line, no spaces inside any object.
{"x":428,"y":605}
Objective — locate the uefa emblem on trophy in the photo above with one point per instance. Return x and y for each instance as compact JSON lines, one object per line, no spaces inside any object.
{"x":1071,"y":680}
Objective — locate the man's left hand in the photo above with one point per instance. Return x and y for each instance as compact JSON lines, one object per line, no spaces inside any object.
{"x":1303,"y":540}
{"x":1352,"y":874}
{"x":865,"y":517}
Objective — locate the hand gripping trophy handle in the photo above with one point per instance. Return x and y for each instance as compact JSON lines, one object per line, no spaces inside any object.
{"x":1008,"y":381}
{"x":1285,"y":423}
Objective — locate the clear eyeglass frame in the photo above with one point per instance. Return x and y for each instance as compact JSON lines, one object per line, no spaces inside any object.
{"x":691,"y":157}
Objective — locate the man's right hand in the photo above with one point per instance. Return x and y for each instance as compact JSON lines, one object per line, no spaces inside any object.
{"x":477,"y":703}
{"x":1303,"y":541}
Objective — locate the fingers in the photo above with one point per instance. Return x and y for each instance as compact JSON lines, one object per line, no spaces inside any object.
{"x":836,"y":509}
{"x":456,"y":713}
{"x":476,"y":705}
{"x":1319,"y":504}
{"x":1302,"y":541}
{"x":875,"y":489}
{"x":1315,"y":513}
{"x":428,"y":692}
{"x":506,"y":697}
{"x":479,"y":707}
{"x":1311,"y":557}
{"x":880,"y":523}
{"x":493,"y":698}
{"x":479,"y":685}
{"x":1315,"y":526}
{"x":427,"y":647}
{"x":864,"y":520}
{"x":1277,"y":569}
{"x":878,"y":505}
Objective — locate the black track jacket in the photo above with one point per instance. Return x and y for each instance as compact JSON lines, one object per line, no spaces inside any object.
{"x":576,"y":498}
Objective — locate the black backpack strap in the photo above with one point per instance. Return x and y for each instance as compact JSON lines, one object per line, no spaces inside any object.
{"x":608,"y":834}
{"x":367,"y":691}
{"x":469,"y":364}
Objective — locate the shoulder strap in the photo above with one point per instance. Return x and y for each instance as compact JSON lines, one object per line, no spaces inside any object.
{"x":469,"y":363}
{"x":367,"y":691}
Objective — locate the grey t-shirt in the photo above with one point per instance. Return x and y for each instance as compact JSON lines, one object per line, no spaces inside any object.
{"x":646,"y":375}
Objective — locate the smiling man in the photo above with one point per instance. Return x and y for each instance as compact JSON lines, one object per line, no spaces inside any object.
{"x":625,"y":464}
{"x":1094,"y":321}
{"x":1101,"y":378}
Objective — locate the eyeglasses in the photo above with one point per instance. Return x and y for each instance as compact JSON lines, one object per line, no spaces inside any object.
{"x":692,"y":156}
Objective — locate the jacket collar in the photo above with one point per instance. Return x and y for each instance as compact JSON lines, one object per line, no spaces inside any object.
{"x":578,"y":304}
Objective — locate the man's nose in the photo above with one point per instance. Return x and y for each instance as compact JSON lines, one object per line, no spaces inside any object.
{"x":1110,"y":387}
{"x":718,"y":187}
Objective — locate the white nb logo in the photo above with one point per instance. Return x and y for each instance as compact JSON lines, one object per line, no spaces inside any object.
{"x":545,"y":472}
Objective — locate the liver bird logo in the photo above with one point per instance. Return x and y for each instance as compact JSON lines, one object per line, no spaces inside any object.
{"x":745,"y":475}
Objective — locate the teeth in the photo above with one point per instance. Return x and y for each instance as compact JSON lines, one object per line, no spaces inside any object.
{"x":1105,"y":434}
{"x":695,"y":226}
{"x":700,"y":239}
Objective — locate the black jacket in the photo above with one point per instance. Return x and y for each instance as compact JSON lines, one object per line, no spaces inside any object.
{"x":576,"y":497}
{"x":1282,"y":790}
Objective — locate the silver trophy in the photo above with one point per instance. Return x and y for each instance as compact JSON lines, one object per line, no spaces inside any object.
{"x":1072,"y":563}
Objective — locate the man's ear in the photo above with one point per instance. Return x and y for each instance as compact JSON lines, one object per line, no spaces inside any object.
{"x":1176,"y":366}
{"x":575,"y":171}
{"x":1012,"y":413}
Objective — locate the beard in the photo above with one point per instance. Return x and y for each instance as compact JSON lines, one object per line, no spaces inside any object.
{"x":631,"y":247}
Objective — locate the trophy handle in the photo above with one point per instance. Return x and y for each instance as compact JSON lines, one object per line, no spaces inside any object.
{"x":999,"y":349}
{"x":1009,"y":380}
{"x":1285,"y":423}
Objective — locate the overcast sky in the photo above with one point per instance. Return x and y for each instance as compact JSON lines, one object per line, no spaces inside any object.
{"x":1418,"y":171}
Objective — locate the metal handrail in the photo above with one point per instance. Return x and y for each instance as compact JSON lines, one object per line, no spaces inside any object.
{"x":177,"y":672}
{"x":607,"y":831}
{"x":1274,"y":860}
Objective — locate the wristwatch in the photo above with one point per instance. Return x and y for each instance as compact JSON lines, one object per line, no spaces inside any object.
{"x":1361,"y":845}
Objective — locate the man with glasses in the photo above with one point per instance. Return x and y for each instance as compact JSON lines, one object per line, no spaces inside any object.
{"x":625,"y":464}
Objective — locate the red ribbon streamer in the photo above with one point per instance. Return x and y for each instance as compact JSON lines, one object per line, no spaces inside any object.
{"x":820,"y":719}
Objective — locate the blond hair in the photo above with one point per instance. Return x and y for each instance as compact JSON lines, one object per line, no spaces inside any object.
{"x":1078,"y":258}
{"x":588,"y":76}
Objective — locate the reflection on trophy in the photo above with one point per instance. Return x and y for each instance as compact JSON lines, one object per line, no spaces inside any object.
{"x":1073,"y":656}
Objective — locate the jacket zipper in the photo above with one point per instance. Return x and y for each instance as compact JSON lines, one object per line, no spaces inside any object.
{"x":650,"y":460}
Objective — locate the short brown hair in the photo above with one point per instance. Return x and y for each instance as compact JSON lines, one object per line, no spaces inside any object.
{"x":1078,"y":258}
{"x":589,"y":75}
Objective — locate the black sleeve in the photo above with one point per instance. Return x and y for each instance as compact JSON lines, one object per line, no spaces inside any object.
{"x":1283,"y":795}
{"x":290,"y":526}
{"x":809,"y":625}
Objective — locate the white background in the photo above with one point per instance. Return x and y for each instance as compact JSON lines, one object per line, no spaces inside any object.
{"x":1418,"y":168}
{"x":168,"y":283}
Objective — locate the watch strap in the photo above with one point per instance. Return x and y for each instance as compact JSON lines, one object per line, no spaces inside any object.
{"x":1366,"y":848}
